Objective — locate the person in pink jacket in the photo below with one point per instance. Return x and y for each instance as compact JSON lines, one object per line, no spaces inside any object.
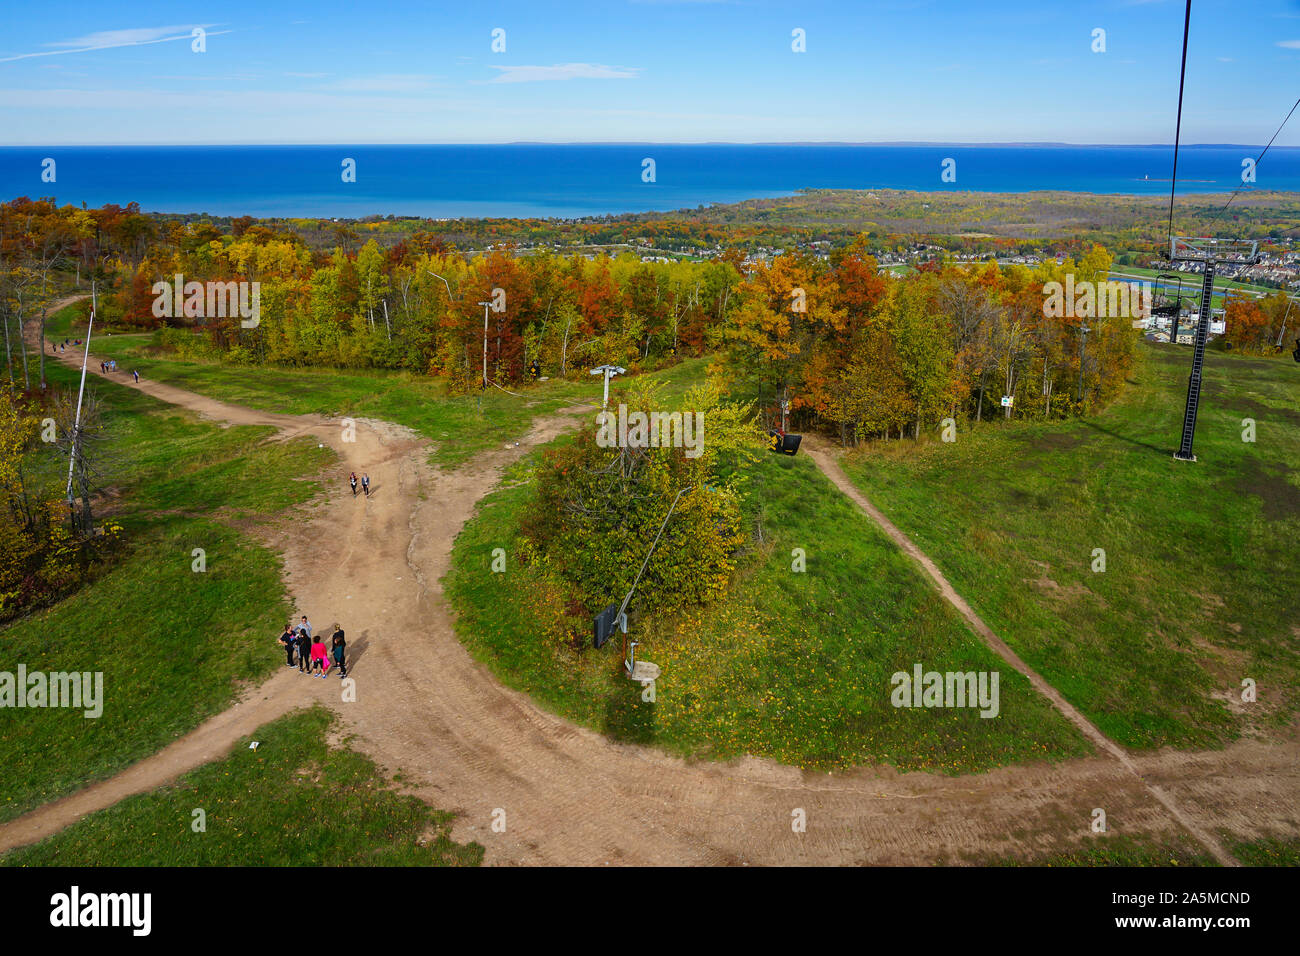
{"x":319,"y":659}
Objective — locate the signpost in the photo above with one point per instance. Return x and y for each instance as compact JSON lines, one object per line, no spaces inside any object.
{"x":609,"y":371}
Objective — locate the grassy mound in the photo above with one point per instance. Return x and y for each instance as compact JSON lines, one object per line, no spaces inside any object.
{"x":790,"y":665}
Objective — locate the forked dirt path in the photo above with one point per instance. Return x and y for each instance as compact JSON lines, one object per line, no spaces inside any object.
{"x":462,"y":741}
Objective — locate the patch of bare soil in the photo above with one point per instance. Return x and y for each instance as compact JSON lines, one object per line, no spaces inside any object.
{"x":1052,"y":589}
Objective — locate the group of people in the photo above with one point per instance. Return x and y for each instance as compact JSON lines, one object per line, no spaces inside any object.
{"x":106,"y":366}
{"x":110,"y":365}
{"x":365,"y":483}
{"x":312,"y":657}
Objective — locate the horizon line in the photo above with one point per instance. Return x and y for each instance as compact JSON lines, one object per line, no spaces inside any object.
{"x":982,"y":144}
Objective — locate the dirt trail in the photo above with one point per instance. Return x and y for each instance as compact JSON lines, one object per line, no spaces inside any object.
{"x":463,"y":742}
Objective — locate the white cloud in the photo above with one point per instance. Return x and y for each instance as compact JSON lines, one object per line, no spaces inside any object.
{"x":131,"y":37}
{"x":1289,"y":44}
{"x":563,"y":71}
{"x":112,"y":39}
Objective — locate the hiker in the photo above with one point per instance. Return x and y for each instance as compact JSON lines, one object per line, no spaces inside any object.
{"x":288,"y":641}
{"x":352,"y":480}
{"x":365,"y":484}
{"x":319,"y":660}
{"x":303,"y":643}
{"x":137,"y":376}
{"x":305,"y":625}
{"x":337,"y":647}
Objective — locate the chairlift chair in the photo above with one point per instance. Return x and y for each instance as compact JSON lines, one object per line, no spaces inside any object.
{"x":1162,"y":302}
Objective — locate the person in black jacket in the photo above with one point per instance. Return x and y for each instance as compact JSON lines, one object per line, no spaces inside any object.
{"x":289,"y":642}
{"x":304,"y":651}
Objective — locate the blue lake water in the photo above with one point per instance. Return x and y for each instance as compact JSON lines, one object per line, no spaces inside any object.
{"x":588,"y":180}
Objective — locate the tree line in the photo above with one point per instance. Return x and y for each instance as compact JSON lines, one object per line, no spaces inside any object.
{"x":845,"y":346}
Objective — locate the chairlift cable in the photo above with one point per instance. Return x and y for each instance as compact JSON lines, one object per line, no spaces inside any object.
{"x":1260,"y":158}
{"x":1178,"y":125}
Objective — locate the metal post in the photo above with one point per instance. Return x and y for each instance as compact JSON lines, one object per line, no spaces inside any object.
{"x":486,"y":306}
{"x":1083,"y":349}
{"x":76,"y":426}
{"x":622,"y":608}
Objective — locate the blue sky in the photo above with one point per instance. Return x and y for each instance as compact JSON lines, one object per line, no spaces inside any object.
{"x":645,"y":71}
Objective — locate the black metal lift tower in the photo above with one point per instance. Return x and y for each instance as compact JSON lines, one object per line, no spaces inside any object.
{"x":1211,"y":253}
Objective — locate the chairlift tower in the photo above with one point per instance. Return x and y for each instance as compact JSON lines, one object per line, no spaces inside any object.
{"x":615,"y":616}
{"x":1210,"y":253}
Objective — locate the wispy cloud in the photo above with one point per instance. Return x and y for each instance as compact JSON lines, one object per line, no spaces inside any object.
{"x":1289,"y":44}
{"x":112,"y":39}
{"x":131,"y":37}
{"x":563,"y":71}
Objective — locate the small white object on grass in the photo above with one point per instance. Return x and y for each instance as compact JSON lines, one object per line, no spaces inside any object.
{"x":253,"y":745}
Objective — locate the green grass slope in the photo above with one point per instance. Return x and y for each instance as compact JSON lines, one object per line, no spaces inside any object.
{"x":294,"y":801}
{"x":174,"y":645}
{"x":1198,"y":591}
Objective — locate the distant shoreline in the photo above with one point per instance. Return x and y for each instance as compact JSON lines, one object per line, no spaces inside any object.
{"x":704,"y":143}
{"x":568,"y":182}
{"x":928,"y":196}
